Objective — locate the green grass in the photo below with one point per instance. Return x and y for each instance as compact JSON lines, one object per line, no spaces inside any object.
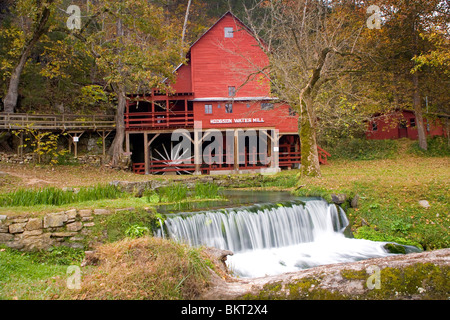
{"x":57,"y":197}
{"x":33,"y":275}
{"x":389,"y":192}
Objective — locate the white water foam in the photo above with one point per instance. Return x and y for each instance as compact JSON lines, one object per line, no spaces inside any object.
{"x":268,"y":240}
{"x":327,"y":249}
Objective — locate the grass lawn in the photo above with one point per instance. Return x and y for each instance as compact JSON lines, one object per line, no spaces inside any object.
{"x":389,"y":192}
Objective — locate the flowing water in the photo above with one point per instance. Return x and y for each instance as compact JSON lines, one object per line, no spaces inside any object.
{"x":269,"y":239}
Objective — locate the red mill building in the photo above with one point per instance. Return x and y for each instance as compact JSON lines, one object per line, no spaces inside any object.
{"x":217,"y":89}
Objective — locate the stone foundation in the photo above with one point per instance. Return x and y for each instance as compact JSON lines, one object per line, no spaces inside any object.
{"x":67,"y":228}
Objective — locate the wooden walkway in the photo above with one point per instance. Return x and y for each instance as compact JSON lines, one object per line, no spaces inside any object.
{"x":63,"y":122}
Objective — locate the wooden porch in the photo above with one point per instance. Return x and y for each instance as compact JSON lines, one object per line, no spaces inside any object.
{"x":159,"y":111}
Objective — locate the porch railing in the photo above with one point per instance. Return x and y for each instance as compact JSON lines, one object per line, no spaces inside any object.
{"x":56,"y":121}
{"x":158,"y":120}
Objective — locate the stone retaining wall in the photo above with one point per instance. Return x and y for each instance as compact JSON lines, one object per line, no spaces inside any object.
{"x":67,"y":228}
{"x":90,"y":159}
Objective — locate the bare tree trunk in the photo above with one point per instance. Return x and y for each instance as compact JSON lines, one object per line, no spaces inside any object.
{"x":10,"y":100}
{"x":308,"y":142}
{"x":310,"y":158}
{"x":418,"y":113}
{"x":116,"y":150}
{"x":416,"y":95}
{"x":186,"y":17}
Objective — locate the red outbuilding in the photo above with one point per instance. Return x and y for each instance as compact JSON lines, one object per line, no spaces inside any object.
{"x":218,"y":93}
{"x":402,"y":124}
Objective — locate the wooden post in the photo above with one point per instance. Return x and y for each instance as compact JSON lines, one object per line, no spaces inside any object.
{"x":146,"y":154}
{"x":185,"y":112}
{"x":20,"y":148}
{"x":197,"y":147}
{"x":276,"y":151}
{"x":236,"y":150}
{"x":127,"y":142}
{"x":75,"y":143}
{"x":153,"y":112}
{"x":167,"y":111}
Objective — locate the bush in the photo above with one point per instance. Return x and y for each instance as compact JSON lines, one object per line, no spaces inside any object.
{"x":206,"y":190}
{"x":173,"y":193}
{"x":132,"y":224}
{"x":137,"y":231}
{"x":363,"y":149}
{"x":437,"y":147}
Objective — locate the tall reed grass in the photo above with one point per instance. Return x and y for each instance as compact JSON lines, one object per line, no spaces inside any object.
{"x":57,"y":197}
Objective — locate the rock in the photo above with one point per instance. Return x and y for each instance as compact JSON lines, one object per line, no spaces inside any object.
{"x":393,"y":247}
{"x":89,"y":224}
{"x":19,"y":220}
{"x":17,"y":227}
{"x":338,"y":198}
{"x":32,"y":233}
{"x":364,"y":222}
{"x":4,"y":237}
{"x":3,"y":217}
{"x":71,"y":214}
{"x":15,"y":245}
{"x":77,"y":238}
{"x":355,"y":201}
{"x":85,"y":213}
{"x":34,"y":224}
{"x":4,"y":228}
{"x":54,"y":220}
{"x":343,"y":280}
{"x":424,"y":203}
{"x":37,"y":242}
{"x":75,"y":226}
{"x":219,"y":257}
{"x":63,"y":234}
{"x":73,"y":245}
{"x":101,"y":211}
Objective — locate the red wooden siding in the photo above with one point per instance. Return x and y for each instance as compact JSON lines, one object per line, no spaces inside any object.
{"x":219,"y":62}
{"x":246,"y":114}
{"x":183,"y":82}
{"x":401,"y":124}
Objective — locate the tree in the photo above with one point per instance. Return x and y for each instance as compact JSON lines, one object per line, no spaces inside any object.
{"x":39,"y":14}
{"x":309,"y":44}
{"x":134,"y":48}
{"x":403,"y":48}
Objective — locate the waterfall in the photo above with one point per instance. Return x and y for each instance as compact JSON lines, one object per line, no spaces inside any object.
{"x":270,"y":239}
{"x":258,"y":226}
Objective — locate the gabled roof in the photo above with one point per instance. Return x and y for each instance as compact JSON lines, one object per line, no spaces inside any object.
{"x":220,"y":19}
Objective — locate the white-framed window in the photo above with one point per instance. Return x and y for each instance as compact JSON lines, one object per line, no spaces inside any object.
{"x":266,"y":106}
{"x":231,"y":91}
{"x":374,"y":126}
{"x":228,"y":31}
{"x":208,"y":108}
{"x":228,"y":108}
